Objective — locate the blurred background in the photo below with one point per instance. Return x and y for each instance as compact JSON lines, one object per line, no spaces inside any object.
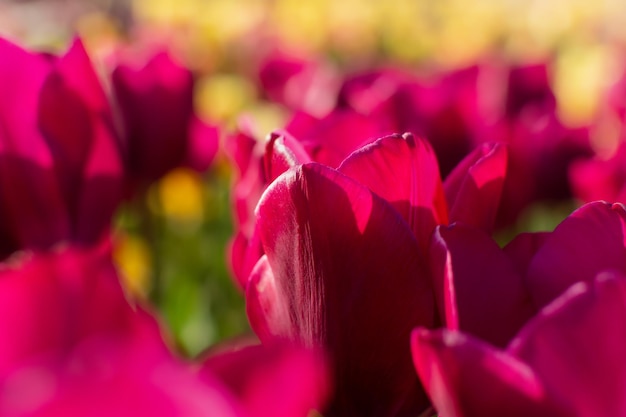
{"x":171,"y":244}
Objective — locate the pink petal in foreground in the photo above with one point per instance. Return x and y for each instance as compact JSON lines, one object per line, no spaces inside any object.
{"x":566,"y":361}
{"x":273,"y":381}
{"x":30,"y":196}
{"x":73,"y":346}
{"x":577,"y":346}
{"x":466,"y":377}
{"x":346,"y":269}
{"x":403,"y":170}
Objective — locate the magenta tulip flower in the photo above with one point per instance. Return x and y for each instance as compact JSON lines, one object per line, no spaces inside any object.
{"x":323,"y":274}
{"x":60,"y":167}
{"x":404,"y":171}
{"x":401,"y":169}
{"x":330,"y":139}
{"x":160,"y":129}
{"x":542,"y":152}
{"x":252,"y":159}
{"x":566,"y":361}
{"x":446,"y":109}
{"x":491,"y":292}
{"x":272,"y":381}
{"x":299,"y":83}
{"x":352,"y":283}
{"x":529,"y":91}
{"x":72,"y":345}
{"x":330,"y":142}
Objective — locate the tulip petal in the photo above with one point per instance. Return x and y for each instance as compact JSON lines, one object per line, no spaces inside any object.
{"x":577,"y":346}
{"x":92,"y":172}
{"x":333,"y":138}
{"x":347,"y":273}
{"x":265,"y":307}
{"x":466,"y":377}
{"x":474,"y":187}
{"x":202,"y":145}
{"x":282,"y":151}
{"x":478,"y":288}
{"x":156,"y":104}
{"x":273,"y":381}
{"x":587,"y":242}
{"x":403,"y":170}
{"x":523,"y":248}
{"x":240,"y":147}
{"x":30,"y":195}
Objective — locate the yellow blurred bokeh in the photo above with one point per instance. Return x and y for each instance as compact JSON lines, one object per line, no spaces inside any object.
{"x":133,"y":259}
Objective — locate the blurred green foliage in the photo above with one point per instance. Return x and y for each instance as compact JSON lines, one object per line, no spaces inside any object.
{"x":190,"y":283}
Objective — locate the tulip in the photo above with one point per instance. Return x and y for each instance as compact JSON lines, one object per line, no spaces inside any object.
{"x":600,"y":178}
{"x":400,"y":168}
{"x":445,"y":110}
{"x":299,"y":83}
{"x":60,"y":168}
{"x":160,"y":129}
{"x":456,"y":112}
{"x":490,"y":292}
{"x":566,"y":361}
{"x":404,"y":171}
{"x":72,"y":346}
{"x":352,"y":283}
{"x":365,"y":266}
{"x":529,"y":91}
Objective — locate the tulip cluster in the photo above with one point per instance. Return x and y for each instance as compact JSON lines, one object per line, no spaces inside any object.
{"x":66,"y":164}
{"x":378,"y":247}
{"x":74,"y":343}
{"x":367,"y":243}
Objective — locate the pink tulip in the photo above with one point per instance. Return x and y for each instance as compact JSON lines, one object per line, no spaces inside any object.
{"x":301,"y":84}
{"x":456,"y":112}
{"x":529,"y":91}
{"x":342,"y":272}
{"x":161,"y":131}
{"x":445,"y":109}
{"x":72,"y":345}
{"x":401,"y":169}
{"x":600,"y":178}
{"x":60,"y":169}
{"x":491,"y":292}
{"x":566,"y":361}
{"x":323,"y":274}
